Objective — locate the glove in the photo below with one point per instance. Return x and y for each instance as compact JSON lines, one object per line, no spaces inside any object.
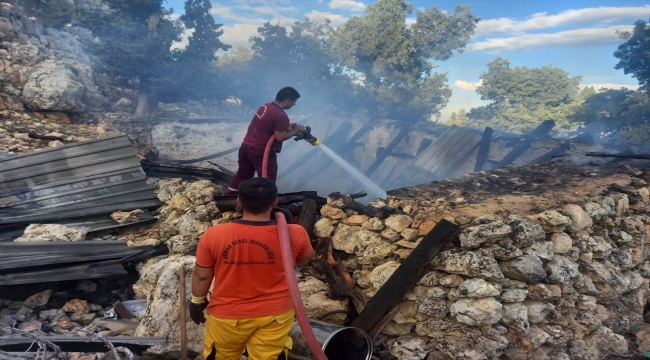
{"x":196,"y":311}
{"x":287,"y":214}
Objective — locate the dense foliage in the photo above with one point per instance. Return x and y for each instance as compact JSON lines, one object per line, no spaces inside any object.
{"x":392,"y":61}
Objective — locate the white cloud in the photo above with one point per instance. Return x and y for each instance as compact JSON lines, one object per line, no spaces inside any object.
{"x":347,"y":5}
{"x":610,"y":86}
{"x":410,"y":21}
{"x":270,"y":10}
{"x":571,"y":38}
{"x":602,"y":15}
{"x":185,"y":39}
{"x":320,"y":17}
{"x":238,"y":34}
{"x":465,"y":85}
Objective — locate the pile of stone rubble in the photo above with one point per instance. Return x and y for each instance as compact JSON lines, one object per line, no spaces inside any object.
{"x":565,"y":283}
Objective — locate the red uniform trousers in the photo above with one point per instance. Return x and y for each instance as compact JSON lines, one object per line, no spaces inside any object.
{"x":250,"y":161}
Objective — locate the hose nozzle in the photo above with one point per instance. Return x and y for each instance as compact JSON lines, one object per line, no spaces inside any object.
{"x":307,"y":136}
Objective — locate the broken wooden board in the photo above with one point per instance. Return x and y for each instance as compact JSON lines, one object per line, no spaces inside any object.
{"x":228,"y":203}
{"x":483,"y":149}
{"x":81,"y":343}
{"x":524,"y":145}
{"x":404,"y":278}
{"x":77,"y":272}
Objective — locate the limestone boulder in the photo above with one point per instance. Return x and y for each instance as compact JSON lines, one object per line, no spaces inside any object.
{"x":52,"y":85}
{"x":409,"y":348}
{"x":544,"y":250}
{"x":373,"y":224}
{"x":579,"y":218}
{"x":381,"y":273}
{"x":551,"y":221}
{"x":562,"y":270}
{"x":332,"y":213}
{"x":318,"y":304}
{"x":160,"y":285}
{"x":473,"y":236}
{"x":346,"y":238}
{"x":468,"y":263}
{"x":514,"y":295}
{"x":477,"y":312}
{"x":339,"y":200}
{"x":323,"y":227}
{"x":515,"y":317}
{"x":124,"y":217}
{"x":460,"y":341}
{"x":76,"y":306}
{"x":477,"y":288}
{"x":38,"y":299}
{"x":562,"y":242}
{"x":200,"y":192}
{"x":528,"y":268}
{"x":525,"y":232}
{"x":51,"y":232}
{"x":398,"y":222}
{"x":356,"y":220}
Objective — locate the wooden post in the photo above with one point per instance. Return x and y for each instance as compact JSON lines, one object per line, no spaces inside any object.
{"x":308,"y":216}
{"x":521,"y":147}
{"x":374,"y":316}
{"x":483,"y":149}
{"x":183,"y":296}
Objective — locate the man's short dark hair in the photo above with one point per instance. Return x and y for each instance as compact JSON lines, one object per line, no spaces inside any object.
{"x":257,"y":194}
{"x":287,"y":93}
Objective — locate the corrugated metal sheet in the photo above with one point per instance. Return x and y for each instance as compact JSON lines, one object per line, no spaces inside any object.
{"x":438,"y":161}
{"x":84,"y":179}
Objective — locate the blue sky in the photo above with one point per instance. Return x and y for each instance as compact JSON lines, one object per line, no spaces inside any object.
{"x":578,"y":36}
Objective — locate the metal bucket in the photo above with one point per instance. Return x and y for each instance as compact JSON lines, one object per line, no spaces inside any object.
{"x":338,"y":342}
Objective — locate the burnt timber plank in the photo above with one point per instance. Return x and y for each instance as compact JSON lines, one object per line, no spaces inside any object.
{"x":405,"y":277}
{"x":228,"y":203}
{"x":524,"y":145}
{"x":77,"y":272}
{"x":308,"y":216}
{"x":81,"y":343}
{"x":389,"y":149}
{"x":38,"y":259}
{"x":483,"y":149}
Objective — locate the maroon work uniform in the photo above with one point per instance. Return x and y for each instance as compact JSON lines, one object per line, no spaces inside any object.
{"x":268,"y":119}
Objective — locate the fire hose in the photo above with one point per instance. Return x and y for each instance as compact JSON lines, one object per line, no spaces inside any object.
{"x":289,"y":273}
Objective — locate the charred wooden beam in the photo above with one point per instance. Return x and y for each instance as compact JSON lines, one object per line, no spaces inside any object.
{"x":184,"y":172}
{"x":210,"y":157}
{"x":483,"y":149}
{"x":228,"y":203}
{"x":81,"y":343}
{"x":524,"y":145}
{"x":33,"y":135}
{"x":404,"y":278}
{"x":76,"y":272}
{"x":558,"y":151}
{"x":307,"y":216}
{"x":373,"y":211}
{"x":624,"y":156}
{"x":389,"y":149}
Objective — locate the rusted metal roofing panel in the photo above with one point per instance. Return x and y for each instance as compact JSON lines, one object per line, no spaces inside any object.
{"x":77,"y":180}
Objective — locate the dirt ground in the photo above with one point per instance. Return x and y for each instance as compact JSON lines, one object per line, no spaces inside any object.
{"x":528,"y":189}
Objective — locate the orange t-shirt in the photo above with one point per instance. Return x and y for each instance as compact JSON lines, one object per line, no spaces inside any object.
{"x":249,"y":277}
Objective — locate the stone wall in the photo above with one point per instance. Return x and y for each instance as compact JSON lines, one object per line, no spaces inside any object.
{"x":569,"y":282}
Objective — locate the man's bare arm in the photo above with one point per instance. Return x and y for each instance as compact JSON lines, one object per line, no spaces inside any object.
{"x":201,"y":280}
{"x":304,"y":260}
{"x":286,"y":135}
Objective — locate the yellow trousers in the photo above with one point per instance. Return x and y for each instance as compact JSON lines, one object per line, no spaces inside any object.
{"x":265,"y":338}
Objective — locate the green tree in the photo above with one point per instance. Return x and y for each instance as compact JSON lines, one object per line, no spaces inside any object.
{"x":459,"y":118}
{"x":195,"y":73}
{"x":204,"y":41}
{"x":392,"y":61}
{"x":133,"y":45}
{"x":623,"y":114}
{"x":522,"y":98}
{"x":634,"y":53}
